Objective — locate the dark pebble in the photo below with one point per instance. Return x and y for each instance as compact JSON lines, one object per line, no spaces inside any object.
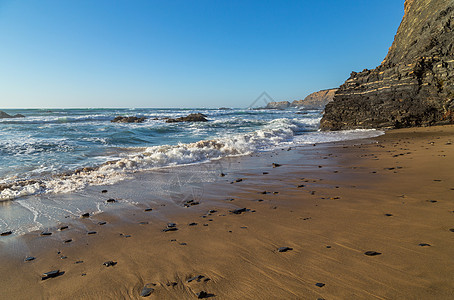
{"x":205,"y":224}
{"x":79,"y":262}
{"x":202,"y":294}
{"x":170,"y":229}
{"x":275,"y":165}
{"x":6,"y":233}
{"x":239,"y":180}
{"x":148,"y":209}
{"x":284,"y":249}
{"x":388,"y":215}
{"x":45,"y":233}
{"x":197,"y":278}
{"x":85,"y":215}
{"x":238,"y":211}
{"x":67,"y":241}
{"x":328,"y":247}
{"x":423,"y":244}
{"x":91,"y":232}
{"x":51,"y":274}
{"x":104,"y":191}
{"x":143,"y":223}
{"x":222,"y":175}
{"x":192,"y":224}
{"x":146,"y":291}
{"x":30,"y":258}
{"x":264,"y":173}
{"x":63,"y":257}
{"x":111,"y":200}
{"x":431,"y":201}
{"x":171,"y":225}
{"x":183,"y":244}
{"x":171,"y":284}
{"x":63,"y":228}
{"x":372,"y":253}
{"x":319,"y":284}
{"x":212,"y":211}
{"x":110,"y":263}
{"x":102,"y":223}
{"x":301,"y":185}
{"x":452,"y":229}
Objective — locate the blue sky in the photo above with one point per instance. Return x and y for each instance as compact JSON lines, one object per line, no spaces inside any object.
{"x":180,"y":53}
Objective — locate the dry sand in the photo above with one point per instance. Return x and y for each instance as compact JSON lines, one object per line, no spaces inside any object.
{"x":341,"y":201}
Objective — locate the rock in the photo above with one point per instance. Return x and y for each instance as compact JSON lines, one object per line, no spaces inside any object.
{"x":372,"y":253}
{"x":388,"y":215}
{"x":51,"y":274}
{"x":148,"y":209}
{"x":121,"y":119}
{"x":91,"y":232}
{"x":67,"y":241}
{"x":111,"y":201}
{"x":201,"y":295}
{"x":317,"y":100}
{"x":6,"y":233}
{"x":275,"y":165}
{"x":238,"y":211}
{"x":413,"y":86}
{"x":278,"y":105}
{"x":104,"y":191}
{"x":110,"y":263}
{"x":198,"y":117}
{"x":85,"y":215}
{"x":424,"y":245}
{"x":171,"y":225}
{"x":192,"y":224}
{"x":146,"y":291}
{"x":196,"y":278}
{"x":170,"y":229}
{"x":29,"y":258}
{"x":284,"y":249}
{"x":451,"y":229}
{"x":4,"y":115}
{"x":45,"y":233}
{"x":102,"y":223}
{"x":319,"y":284}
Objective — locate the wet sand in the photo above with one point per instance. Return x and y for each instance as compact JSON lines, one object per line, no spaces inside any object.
{"x":391,"y":197}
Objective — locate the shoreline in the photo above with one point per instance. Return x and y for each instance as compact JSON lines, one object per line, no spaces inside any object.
{"x":329,"y":209}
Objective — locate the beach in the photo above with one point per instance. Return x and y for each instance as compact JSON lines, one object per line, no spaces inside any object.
{"x":361,"y":219}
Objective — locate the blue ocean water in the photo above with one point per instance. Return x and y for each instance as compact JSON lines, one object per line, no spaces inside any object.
{"x":48,"y":143}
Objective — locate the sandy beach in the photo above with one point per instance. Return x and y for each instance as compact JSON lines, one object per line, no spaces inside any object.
{"x":364,"y":219}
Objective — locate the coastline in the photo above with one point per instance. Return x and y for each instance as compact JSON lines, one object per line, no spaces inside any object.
{"x":330,"y":222}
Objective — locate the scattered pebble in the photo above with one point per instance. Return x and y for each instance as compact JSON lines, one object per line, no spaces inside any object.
{"x":110,"y":263}
{"x":388,"y":215}
{"x":111,"y":200}
{"x":148,"y":209}
{"x":51,"y":274}
{"x":238,"y":211}
{"x":63,"y":228}
{"x":91,"y":232}
{"x":45,"y":233}
{"x":275,"y":165}
{"x":29,"y":258}
{"x":423,"y":245}
{"x":372,"y":253}
{"x":197,"y":278}
{"x":104,"y":191}
{"x":192,"y":224}
{"x":67,"y":241}
{"x":201,"y":295}
{"x":6,"y":233}
{"x":265,"y":173}
{"x":146,"y":291}
{"x":284,"y":249}
{"x":170,"y":229}
{"x":319,"y":284}
{"x":102,"y":223}
{"x":85,"y":215}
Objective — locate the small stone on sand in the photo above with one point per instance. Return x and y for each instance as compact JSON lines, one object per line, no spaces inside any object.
{"x":6,"y":233}
{"x":109,"y":263}
{"x":29,"y":258}
{"x":372,"y":253}
{"x":284,"y":249}
{"x":319,"y":284}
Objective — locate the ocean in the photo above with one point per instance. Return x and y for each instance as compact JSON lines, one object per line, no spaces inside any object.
{"x":58,"y":151}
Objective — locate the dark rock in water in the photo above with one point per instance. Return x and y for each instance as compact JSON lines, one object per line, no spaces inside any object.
{"x":121,"y":119}
{"x":6,"y":233}
{"x":29,"y":258}
{"x":104,"y":191}
{"x":238,"y":211}
{"x":111,"y":200}
{"x":413,"y":86}
{"x":63,"y":228}
{"x":284,"y":249}
{"x":275,"y":165}
{"x":51,"y":274}
{"x":4,"y":115}
{"x":172,"y":284}
{"x":372,"y":253}
{"x":146,"y":291}
{"x":198,"y":117}
{"x":45,"y":233}
{"x":110,"y":263}
{"x":239,"y":180}
{"x":170,"y":229}
{"x":91,"y":232}
{"x":423,"y":245}
{"x":319,"y":284}
{"x":85,"y":215}
{"x":202,"y":294}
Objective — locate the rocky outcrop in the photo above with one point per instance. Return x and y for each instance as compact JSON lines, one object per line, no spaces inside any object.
{"x":121,"y":119}
{"x":317,"y":100}
{"x":278,"y":105}
{"x":198,"y":117}
{"x":413,"y":86}
{"x":4,"y":115}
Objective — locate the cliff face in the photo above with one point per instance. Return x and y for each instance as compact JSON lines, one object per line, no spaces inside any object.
{"x":414,"y":85}
{"x":316,"y":100}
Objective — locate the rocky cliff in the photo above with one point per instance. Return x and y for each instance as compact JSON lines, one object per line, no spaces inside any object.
{"x":413,"y":86}
{"x":317,"y":100}
{"x":278,"y":105}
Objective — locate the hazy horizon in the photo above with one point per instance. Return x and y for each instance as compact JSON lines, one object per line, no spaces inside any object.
{"x":178,"y":54}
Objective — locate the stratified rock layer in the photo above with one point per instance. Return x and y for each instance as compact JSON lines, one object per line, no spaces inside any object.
{"x":414,"y":85}
{"x":317,"y":100}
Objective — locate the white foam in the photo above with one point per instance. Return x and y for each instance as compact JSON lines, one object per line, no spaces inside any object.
{"x":276,"y":133}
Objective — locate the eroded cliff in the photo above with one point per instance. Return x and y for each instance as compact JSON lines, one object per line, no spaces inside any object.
{"x":414,"y":85}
